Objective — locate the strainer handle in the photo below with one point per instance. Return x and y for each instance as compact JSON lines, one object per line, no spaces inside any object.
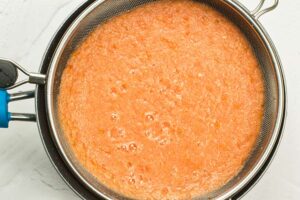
{"x":8,"y":80}
{"x":259,"y":11}
{"x":9,"y":75}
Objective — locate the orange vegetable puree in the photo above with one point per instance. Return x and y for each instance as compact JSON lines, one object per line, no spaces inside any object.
{"x":164,"y":101}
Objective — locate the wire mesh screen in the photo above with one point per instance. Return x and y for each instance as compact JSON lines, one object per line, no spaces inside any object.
{"x":103,"y":11}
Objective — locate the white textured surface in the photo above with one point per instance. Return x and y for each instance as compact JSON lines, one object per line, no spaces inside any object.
{"x":26,"y":27}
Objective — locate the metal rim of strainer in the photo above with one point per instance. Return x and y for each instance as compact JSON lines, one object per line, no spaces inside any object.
{"x":251,"y":17}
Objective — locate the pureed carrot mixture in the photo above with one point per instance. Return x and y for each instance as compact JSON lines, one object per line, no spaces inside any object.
{"x":163,"y":102}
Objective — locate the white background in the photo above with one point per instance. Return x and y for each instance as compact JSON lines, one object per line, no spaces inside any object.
{"x":26,"y":27}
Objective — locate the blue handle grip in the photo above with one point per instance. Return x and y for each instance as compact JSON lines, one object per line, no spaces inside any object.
{"x":4,"y":114}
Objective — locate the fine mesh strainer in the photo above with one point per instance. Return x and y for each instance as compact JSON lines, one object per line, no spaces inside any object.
{"x":74,"y":31}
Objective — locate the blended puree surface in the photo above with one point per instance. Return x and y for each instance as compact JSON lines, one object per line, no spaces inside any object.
{"x":163,"y":102}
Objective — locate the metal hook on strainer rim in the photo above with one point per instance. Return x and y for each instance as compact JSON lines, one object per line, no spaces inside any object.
{"x":258,"y":11}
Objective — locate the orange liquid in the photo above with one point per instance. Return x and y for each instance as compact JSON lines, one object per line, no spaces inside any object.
{"x":163,"y":102}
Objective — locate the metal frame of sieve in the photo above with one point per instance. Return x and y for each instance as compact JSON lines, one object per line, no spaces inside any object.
{"x":93,"y":13}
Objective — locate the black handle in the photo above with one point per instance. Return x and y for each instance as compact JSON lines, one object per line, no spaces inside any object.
{"x":8,"y":74}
